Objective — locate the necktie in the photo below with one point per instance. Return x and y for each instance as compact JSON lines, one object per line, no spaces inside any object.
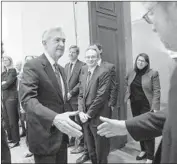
{"x":88,"y":78}
{"x":70,"y":70}
{"x":58,"y":76}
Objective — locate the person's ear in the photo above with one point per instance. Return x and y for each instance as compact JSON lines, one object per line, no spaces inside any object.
{"x":44,"y":42}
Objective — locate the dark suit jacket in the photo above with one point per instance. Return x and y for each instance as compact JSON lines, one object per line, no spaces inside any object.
{"x":9,"y":89}
{"x":147,"y":126}
{"x":169,"y":145}
{"x":73,"y":81}
{"x":93,"y":100}
{"x":114,"y":85}
{"x":42,"y":99}
{"x":150,"y":85}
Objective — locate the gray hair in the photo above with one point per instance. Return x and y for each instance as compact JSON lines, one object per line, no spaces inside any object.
{"x":47,"y":34}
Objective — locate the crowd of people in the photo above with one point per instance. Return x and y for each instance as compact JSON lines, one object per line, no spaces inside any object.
{"x":61,"y":107}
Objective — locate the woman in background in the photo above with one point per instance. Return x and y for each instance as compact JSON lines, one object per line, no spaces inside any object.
{"x":10,"y":101}
{"x":143,"y":90}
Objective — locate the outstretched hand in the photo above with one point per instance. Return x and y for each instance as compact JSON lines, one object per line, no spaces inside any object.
{"x":66,"y":125}
{"x":110,"y":127}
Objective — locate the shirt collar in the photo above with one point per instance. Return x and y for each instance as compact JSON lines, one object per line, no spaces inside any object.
{"x":92,"y":69}
{"x":51,"y":61}
{"x":99,"y":62}
{"x":74,"y":62}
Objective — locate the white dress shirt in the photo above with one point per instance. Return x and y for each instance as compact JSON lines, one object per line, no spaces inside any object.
{"x":52,"y":62}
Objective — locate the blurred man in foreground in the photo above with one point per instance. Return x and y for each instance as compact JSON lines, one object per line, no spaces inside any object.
{"x":163,"y":17}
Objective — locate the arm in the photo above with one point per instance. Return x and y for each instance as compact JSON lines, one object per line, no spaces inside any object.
{"x":113,"y":88}
{"x":156,"y":91}
{"x":75,"y":90}
{"x":145,"y":126}
{"x":12,"y":77}
{"x":28,"y":94}
{"x":142,"y":127}
{"x":80,"y":98}
{"x":104,"y":83}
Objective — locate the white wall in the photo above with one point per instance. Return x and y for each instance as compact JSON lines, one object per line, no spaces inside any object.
{"x":145,"y":40}
{"x":25,"y":22}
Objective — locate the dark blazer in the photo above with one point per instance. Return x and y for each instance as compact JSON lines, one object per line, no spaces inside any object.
{"x":73,"y":80}
{"x":147,"y":126}
{"x":169,"y":146}
{"x":9,"y":89}
{"x":42,"y":99}
{"x":114,"y":84}
{"x":150,"y":85}
{"x":93,"y":100}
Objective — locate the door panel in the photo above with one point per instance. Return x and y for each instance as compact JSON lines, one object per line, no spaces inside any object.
{"x":106,"y":24}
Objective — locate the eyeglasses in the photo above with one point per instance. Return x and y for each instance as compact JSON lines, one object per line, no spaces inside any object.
{"x":91,"y":57}
{"x":142,"y":61}
{"x":146,"y":16}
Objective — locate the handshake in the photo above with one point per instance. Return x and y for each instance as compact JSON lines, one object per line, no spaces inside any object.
{"x":108,"y":128}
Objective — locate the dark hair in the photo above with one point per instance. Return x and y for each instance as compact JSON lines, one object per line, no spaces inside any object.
{"x":99,"y":46}
{"x":146,"y":58}
{"x":75,"y":47}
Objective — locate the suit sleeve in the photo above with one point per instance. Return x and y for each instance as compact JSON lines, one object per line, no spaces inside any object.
{"x":146,"y":126}
{"x":113,"y":88}
{"x":28,"y":94}
{"x":80,"y":96}
{"x":156,"y":91}
{"x":102,"y":91}
{"x":12,"y":78}
{"x":75,"y":90}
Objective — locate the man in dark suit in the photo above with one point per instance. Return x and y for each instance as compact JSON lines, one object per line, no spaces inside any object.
{"x":72,"y":71}
{"x":43,"y":96}
{"x":93,"y":102}
{"x":114,"y":84}
{"x":162,"y":15}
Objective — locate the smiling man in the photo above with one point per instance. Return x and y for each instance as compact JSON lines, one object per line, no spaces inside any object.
{"x":93,"y":102}
{"x":43,"y":96}
{"x":163,"y":18}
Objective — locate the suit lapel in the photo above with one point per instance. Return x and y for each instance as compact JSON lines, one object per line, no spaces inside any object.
{"x":64,"y":81}
{"x":50,"y":73}
{"x":91,"y":80}
{"x":74,"y":69}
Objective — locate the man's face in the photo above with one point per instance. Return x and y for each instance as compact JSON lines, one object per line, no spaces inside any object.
{"x":55,"y":45}
{"x":164,"y":22}
{"x":91,"y":58}
{"x":73,"y":54}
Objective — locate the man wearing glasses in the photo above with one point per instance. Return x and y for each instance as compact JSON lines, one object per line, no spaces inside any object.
{"x":163,"y":18}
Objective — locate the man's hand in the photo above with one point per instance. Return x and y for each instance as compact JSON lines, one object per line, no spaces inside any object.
{"x":66,"y":125}
{"x":83,"y":117}
{"x":69,"y":96}
{"x":110,"y":128}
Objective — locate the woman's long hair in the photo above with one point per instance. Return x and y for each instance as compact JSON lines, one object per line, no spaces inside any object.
{"x":146,"y":58}
{"x":10,"y":59}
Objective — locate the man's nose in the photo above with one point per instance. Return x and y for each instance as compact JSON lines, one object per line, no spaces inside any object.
{"x":61,"y":43}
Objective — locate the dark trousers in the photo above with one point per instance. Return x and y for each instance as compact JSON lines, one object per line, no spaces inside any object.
{"x":138,"y":108}
{"x":98,"y":147}
{"x":59,"y":157}
{"x":5,"y":152}
{"x":74,"y":107}
{"x":11,"y":108}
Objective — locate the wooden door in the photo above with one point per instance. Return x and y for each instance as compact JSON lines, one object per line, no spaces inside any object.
{"x":107,"y":21}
